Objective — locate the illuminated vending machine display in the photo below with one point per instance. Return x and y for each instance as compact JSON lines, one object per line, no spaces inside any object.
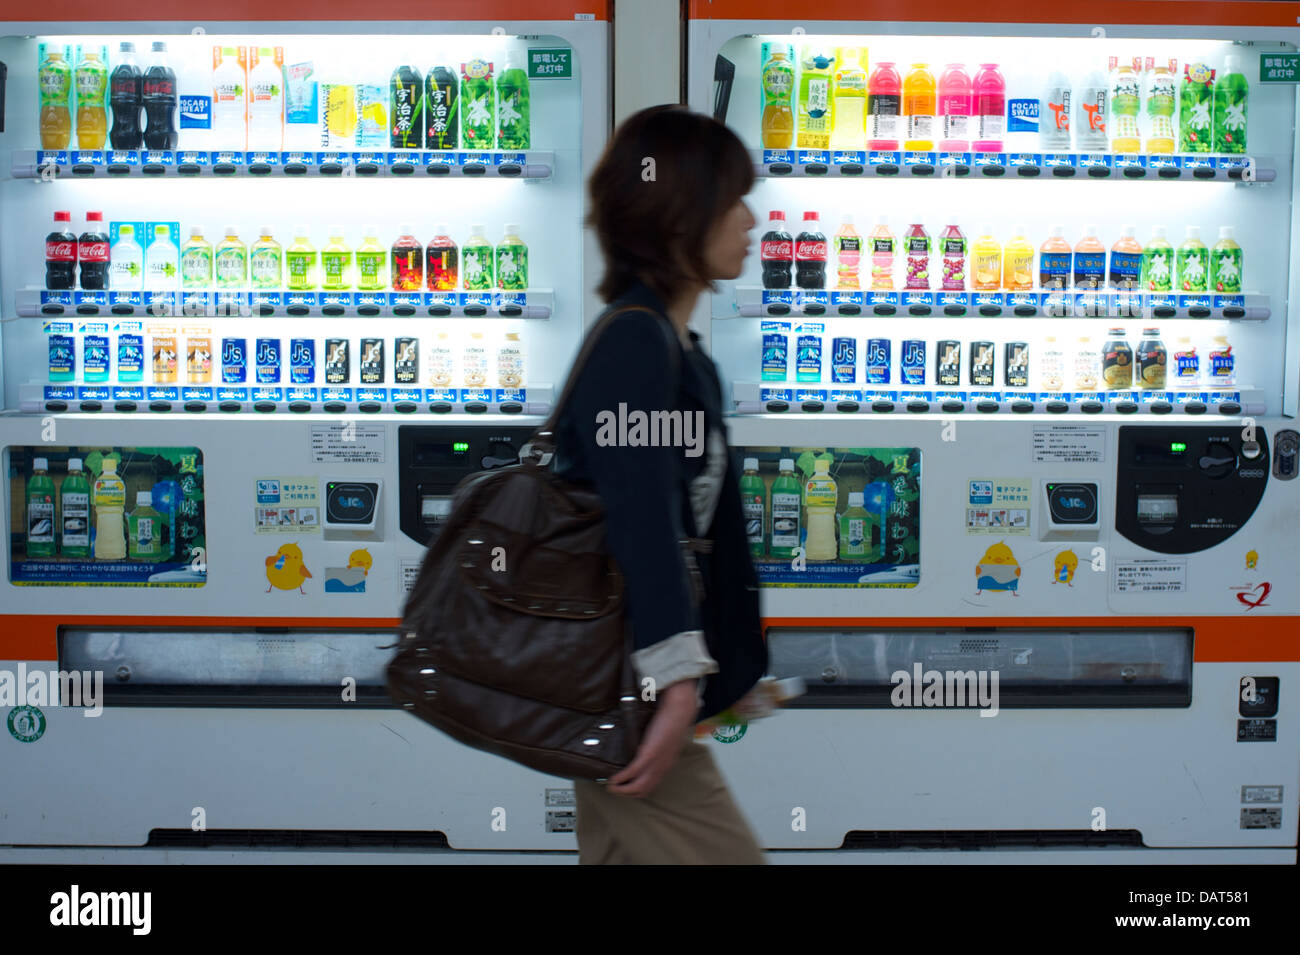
{"x":1013,"y":379}
{"x":270,"y":290}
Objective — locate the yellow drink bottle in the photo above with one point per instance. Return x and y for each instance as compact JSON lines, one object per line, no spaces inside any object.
{"x":1018,"y":263}
{"x":110,"y":503}
{"x":986,"y":262}
{"x":820,"y":498}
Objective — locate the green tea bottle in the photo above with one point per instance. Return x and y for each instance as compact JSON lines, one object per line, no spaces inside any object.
{"x":300,"y":262}
{"x":74,"y":505}
{"x":1225,"y":263}
{"x":476,"y":260}
{"x":336,"y":261}
{"x":513,"y":130}
{"x":372,"y":264}
{"x":855,"y":529}
{"x":266,"y":261}
{"x":1193,"y":262}
{"x":40,"y":510}
{"x":477,"y":104}
{"x":1230,"y":93}
{"x":145,"y":528}
{"x":512,"y":260}
{"x":753,"y":501}
{"x":785,"y":504}
{"x":1158,"y":262}
{"x":230,"y":261}
{"x":196,"y":261}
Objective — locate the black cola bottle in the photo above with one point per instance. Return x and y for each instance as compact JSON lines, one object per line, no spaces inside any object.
{"x":61,"y":254}
{"x":810,"y":253}
{"x":159,"y":95}
{"x":93,"y":253}
{"x":406,"y":109}
{"x":776,"y":251}
{"x":442,"y":109}
{"x":125,"y":98}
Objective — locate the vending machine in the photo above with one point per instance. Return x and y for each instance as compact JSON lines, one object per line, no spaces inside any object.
{"x":1014,"y":382}
{"x":271,"y":286}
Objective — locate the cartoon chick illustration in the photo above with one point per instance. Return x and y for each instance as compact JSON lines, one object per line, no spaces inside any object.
{"x":997,"y":570}
{"x":285,"y":570}
{"x":1065,"y":565}
{"x":361,"y":560}
{"x":1252,"y":558}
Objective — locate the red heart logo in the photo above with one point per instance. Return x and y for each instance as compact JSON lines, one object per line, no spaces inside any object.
{"x":1262,"y":590}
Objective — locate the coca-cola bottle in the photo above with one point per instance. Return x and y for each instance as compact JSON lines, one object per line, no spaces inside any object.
{"x":61,"y":254}
{"x":92,"y":253}
{"x":159,"y":94}
{"x":810,"y":254}
{"x":126,"y":98}
{"x":777,"y":253}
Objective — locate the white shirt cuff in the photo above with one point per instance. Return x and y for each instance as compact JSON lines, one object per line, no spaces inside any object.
{"x":682,"y":656}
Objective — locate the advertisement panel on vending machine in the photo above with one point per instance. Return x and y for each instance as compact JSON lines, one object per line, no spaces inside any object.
{"x":275,"y":279}
{"x":1016,"y":375}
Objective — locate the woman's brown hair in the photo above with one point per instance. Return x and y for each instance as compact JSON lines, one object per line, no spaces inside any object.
{"x":665,"y":178}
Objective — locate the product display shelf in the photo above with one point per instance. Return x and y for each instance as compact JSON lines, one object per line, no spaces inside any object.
{"x":48,"y":165}
{"x":1195,"y":167}
{"x":766,"y":397}
{"x":273,"y":399}
{"x":756,"y":302}
{"x":529,"y":304}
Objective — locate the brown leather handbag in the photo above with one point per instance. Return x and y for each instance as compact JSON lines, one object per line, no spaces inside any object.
{"x":515,"y":635}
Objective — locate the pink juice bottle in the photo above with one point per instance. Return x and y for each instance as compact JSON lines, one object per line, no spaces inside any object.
{"x":882,"y":246}
{"x":952,"y":248}
{"x":916,"y":246}
{"x":954,"y":109}
{"x":884,"y":106}
{"x":989,"y":92}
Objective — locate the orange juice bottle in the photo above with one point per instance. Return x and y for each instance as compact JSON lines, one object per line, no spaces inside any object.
{"x":919,"y":107}
{"x":986,"y":261}
{"x":1018,"y":263}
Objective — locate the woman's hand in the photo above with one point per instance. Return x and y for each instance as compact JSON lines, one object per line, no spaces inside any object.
{"x":664,"y":737}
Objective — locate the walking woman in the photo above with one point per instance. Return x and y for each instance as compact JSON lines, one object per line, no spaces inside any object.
{"x":667,"y":207}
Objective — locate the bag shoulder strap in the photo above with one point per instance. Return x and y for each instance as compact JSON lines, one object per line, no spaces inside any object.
{"x":542,"y":442}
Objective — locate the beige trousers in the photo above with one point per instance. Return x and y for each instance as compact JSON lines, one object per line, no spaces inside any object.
{"x":689,"y":819}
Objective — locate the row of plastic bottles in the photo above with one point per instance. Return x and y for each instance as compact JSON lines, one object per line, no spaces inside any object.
{"x":254,"y":95}
{"x":59,"y":522}
{"x":773,"y":518}
{"x":836,"y":104}
{"x":147,"y":257}
{"x":1130,"y":266}
{"x":143,"y":103}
